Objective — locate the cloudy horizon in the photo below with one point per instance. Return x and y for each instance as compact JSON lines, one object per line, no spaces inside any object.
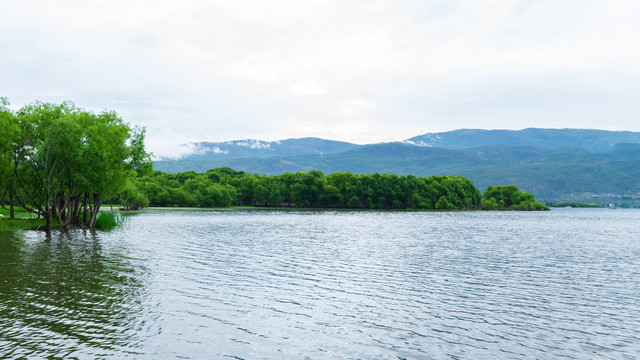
{"x":358,"y":71}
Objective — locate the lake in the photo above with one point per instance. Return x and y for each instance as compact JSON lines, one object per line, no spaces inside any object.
{"x":295,"y":284}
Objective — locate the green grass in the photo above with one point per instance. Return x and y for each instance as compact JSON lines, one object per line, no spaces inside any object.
{"x":23,"y":220}
{"x":107,"y":206}
{"x":19,"y":212}
{"x":16,"y":224}
{"x":108,"y":220}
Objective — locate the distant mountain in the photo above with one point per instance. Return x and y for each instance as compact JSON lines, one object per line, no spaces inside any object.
{"x":587,"y":139}
{"x":549,"y":173}
{"x":256,"y":148}
{"x":566,"y":164}
{"x":387,"y":157}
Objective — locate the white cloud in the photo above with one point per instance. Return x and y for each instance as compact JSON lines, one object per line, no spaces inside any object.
{"x":217,"y":150}
{"x":178,"y":151}
{"x":174,"y":151}
{"x":307,"y":87}
{"x":419,"y":143}
{"x":360,"y":70}
{"x":253,"y":144}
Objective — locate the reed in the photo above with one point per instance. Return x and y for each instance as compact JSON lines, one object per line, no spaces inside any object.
{"x":108,"y":220}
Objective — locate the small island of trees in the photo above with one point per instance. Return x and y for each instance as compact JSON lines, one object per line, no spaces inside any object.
{"x":62,"y":163}
{"x":223,"y":187}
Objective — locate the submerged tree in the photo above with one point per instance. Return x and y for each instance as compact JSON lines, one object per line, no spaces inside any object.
{"x":65,"y":161}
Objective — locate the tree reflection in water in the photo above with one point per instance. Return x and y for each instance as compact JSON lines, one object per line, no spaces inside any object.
{"x":65,"y":293}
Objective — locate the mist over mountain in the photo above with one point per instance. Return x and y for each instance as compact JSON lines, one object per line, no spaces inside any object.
{"x":257,"y":148}
{"x":555,"y":164}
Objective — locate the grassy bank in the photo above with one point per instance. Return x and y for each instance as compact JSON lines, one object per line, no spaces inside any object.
{"x":23,"y":219}
{"x":19,"y":213}
{"x":106,"y":220}
{"x":17,"y":224}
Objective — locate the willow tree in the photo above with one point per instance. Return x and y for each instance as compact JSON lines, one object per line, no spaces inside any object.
{"x":69,"y":160}
{"x":111,"y":153}
{"x":8,"y":132}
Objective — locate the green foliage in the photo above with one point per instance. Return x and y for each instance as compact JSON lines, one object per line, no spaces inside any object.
{"x":509,"y":197}
{"x":444,"y":204}
{"x":132,"y":198}
{"x":8,"y":132}
{"x":491,"y":204}
{"x":211,"y":189}
{"x":61,"y":162}
{"x":354,"y":202}
{"x":108,"y":220}
{"x":222,"y":187}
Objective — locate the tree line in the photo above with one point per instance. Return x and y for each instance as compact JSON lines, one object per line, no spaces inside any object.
{"x":61,"y":162}
{"x":223,"y":187}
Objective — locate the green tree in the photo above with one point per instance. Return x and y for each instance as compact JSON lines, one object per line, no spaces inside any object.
{"x":8,"y":136}
{"x":261,"y":195}
{"x":68,"y":160}
{"x":509,"y":197}
{"x":354,"y":202}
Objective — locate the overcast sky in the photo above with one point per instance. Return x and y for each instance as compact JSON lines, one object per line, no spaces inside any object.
{"x":356,"y":70}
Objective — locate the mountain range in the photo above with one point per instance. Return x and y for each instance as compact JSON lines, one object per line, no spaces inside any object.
{"x":555,"y":164}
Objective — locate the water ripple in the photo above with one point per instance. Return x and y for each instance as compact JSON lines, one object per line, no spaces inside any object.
{"x":252,"y":284}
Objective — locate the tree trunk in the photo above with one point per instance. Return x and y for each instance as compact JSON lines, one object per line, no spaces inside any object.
{"x":51,"y":213}
{"x":59,"y":201}
{"x":12,"y":214}
{"x":70,"y":206}
{"x":84,"y":207}
{"x":63,"y":207}
{"x":47,"y":216}
{"x":76,"y":210}
{"x":96,"y":208}
{"x":13,"y":188}
{"x":47,"y":224}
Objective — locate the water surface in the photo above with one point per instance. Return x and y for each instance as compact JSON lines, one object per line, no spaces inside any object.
{"x":199,"y":284}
